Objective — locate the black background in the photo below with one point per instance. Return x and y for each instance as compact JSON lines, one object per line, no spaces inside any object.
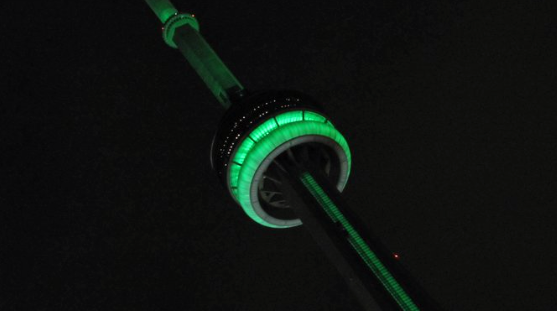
{"x":108,"y":201}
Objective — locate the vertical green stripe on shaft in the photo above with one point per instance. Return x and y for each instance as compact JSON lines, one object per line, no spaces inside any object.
{"x":218,"y":78}
{"x":162,"y":8}
{"x":359,"y":245}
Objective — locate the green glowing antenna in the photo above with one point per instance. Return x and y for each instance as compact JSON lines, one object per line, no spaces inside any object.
{"x":181,"y":30}
{"x":164,"y":9}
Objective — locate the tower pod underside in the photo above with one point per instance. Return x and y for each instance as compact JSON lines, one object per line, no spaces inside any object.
{"x":253,"y":137}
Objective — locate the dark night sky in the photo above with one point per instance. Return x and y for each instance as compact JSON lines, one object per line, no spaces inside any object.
{"x":108,"y":201}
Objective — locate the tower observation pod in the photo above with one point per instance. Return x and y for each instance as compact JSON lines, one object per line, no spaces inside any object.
{"x":285,"y":163}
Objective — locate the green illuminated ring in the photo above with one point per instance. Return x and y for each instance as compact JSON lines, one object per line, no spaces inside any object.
{"x":259,"y":175}
{"x":175,"y":21}
{"x":267,"y":141}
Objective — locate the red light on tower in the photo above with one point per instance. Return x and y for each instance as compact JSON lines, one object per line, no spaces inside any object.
{"x":396,"y":256}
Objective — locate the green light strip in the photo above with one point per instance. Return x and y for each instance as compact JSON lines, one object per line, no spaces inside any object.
{"x":371,"y":260}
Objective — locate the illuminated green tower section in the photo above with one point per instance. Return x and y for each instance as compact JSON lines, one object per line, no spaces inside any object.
{"x":256,"y":128}
{"x":284,"y":162}
{"x":181,"y":30}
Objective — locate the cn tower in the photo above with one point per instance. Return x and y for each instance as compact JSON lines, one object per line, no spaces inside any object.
{"x":284,"y":161}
